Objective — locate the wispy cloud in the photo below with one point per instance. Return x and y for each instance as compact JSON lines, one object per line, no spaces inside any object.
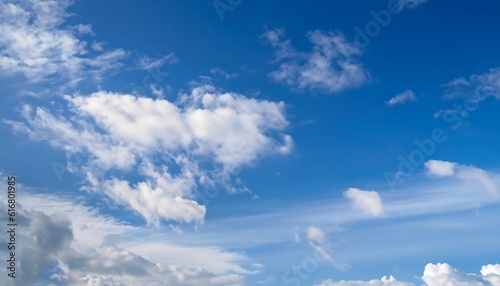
{"x":400,"y":98}
{"x":478,"y":87}
{"x":331,"y":66}
{"x":147,"y":63}
{"x":35,"y":43}
{"x":219,"y":71}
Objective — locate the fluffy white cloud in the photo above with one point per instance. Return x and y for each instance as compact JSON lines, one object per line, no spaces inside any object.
{"x":166,"y":143}
{"x":437,"y":168}
{"x":369,"y":202}
{"x":34,"y":43}
{"x":407,"y":95}
{"x":443,"y":274}
{"x":331,"y":66}
{"x":384,"y":281}
{"x":440,"y":274}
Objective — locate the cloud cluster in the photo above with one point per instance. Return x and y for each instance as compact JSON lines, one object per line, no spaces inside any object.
{"x":331,"y":66}
{"x":175,"y":147}
{"x":440,"y":274}
{"x":35,"y":43}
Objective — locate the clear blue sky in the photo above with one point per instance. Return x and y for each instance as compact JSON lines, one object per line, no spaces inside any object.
{"x":252,"y":142}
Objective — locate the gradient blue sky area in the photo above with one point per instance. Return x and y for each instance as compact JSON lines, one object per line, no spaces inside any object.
{"x":252,"y":142}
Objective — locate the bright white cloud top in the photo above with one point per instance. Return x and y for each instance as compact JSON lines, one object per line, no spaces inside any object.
{"x":369,"y":202}
{"x":139,"y":132}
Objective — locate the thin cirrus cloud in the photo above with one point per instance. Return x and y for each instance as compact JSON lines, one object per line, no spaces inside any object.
{"x":207,"y":136}
{"x":400,"y":98}
{"x":34,"y":43}
{"x":332,"y":65}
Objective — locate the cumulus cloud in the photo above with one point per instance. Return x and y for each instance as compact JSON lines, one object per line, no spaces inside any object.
{"x":35,"y":43}
{"x":405,"y":96}
{"x":165,"y":143}
{"x":444,"y":274}
{"x":331,"y":66}
{"x":437,"y":168}
{"x":369,"y":202}
{"x":440,"y":274}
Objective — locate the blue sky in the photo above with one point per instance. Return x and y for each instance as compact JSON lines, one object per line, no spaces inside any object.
{"x":252,"y":142}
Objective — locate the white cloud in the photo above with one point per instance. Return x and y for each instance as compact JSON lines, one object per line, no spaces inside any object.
{"x":369,"y":202}
{"x":401,"y":98}
{"x":437,"y":168}
{"x":440,"y":274}
{"x":330,"y":67}
{"x":165,"y":143}
{"x":444,"y":274}
{"x":35,"y":43}
{"x":478,"y":87}
{"x":384,"y":281}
